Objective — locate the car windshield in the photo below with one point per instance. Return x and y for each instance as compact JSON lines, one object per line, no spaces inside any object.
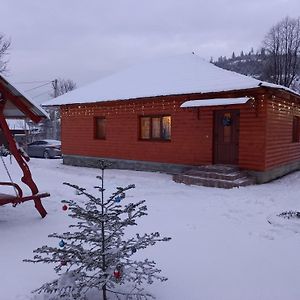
{"x":53,"y":142}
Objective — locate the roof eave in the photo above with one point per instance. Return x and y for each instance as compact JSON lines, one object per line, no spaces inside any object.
{"x":261,"y":88}
{"x":27,"y":107}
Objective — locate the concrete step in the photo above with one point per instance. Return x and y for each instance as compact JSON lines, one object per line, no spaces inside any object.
{"x":213,"y":174}
{"x":213,"y":182}
{"x":222,"y":176}
{"x":226,"y":169}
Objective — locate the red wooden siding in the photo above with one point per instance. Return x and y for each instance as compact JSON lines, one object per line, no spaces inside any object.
{"x":191,"y":138}
{"x":265,"y":138}
{"x":253,"y":135}
{"x":280,"y":148}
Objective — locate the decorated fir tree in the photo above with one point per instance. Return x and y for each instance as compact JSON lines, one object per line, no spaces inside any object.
{"x":96,"y":254}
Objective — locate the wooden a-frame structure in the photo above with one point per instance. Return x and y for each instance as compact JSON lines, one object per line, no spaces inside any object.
{"x":15,"y":105}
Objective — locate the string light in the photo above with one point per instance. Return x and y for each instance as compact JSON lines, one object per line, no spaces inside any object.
{"x":143,"y":108}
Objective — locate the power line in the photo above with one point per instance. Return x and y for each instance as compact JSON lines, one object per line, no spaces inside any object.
{"x":34,"y":88}
{"x":40,"y":94}
{"x":31,"y":82}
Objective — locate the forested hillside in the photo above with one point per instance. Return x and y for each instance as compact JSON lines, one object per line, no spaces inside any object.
{"x":250,"y":63}
{"x":254,"y":64}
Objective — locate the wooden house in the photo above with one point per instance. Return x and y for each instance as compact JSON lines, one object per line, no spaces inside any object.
{"x":179,"y":112}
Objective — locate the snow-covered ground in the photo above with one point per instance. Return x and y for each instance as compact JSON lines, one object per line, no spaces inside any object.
{"x":222,"y":246}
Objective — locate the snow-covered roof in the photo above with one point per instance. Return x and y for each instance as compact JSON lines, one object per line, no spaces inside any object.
{"x":181,"y":74}
{"x":17,"y":124}
{"x":215,"y":102}
{"x":17,"y":108}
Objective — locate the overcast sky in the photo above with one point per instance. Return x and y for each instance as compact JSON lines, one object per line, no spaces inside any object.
{"x":86,"y":40}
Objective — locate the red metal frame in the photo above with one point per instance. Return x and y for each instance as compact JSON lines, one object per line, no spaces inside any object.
{"x":27,"y":178}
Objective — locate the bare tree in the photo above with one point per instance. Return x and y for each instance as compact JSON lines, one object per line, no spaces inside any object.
{"x":62,"y":86}
{"x":52,"y":127}
{"x":4,"y":46}
{"x":282,"y":46}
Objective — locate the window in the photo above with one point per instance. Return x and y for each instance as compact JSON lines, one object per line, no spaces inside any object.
{"x":155,"y":128}
{"x":145,"y":128}
{"x":296,"y":129}
{"x":100,"y":128}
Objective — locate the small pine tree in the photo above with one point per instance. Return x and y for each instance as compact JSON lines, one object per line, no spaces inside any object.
{"x":96,"y":254}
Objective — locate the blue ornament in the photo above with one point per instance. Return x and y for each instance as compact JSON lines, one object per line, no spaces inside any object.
{"x":61,"y":243}
{"x":118,"y":199}
{"x":133,"y":249}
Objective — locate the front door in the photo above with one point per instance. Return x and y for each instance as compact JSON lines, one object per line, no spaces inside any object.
{"x":226,"y":137}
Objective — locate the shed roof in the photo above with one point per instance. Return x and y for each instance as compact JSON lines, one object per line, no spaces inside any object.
{"x":215,"y":102}
{"x":17,"y":124}
{"x":181,"y":74}
{"x":17,"y":104}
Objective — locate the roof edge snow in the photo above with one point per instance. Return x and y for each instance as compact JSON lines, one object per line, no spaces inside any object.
{"x":20,"y":105}
{"x":215,"y":102}
{"x":179,"y":75}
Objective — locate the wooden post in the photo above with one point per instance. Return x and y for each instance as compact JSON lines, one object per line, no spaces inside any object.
{"x":27,"y":178}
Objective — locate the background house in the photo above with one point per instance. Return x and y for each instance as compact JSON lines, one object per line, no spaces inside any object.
{"x":182,"y":111}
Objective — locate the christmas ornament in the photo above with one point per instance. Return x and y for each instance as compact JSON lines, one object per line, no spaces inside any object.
{"x":133,"y":249}
{"x":63,"y":263}
{"x":61,"y":243}
{"x":118,"y":272}
{"x":65,"y":207}
{"x":118,"y":199}
{"x":227,"y":121}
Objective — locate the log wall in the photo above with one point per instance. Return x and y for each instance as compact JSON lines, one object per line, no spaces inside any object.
{"x":264,"y":142}
{"x":280,"y":148}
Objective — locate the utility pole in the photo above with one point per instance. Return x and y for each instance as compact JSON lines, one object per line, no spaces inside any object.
{"x":55,"y":87}
{"x":53,"y":114}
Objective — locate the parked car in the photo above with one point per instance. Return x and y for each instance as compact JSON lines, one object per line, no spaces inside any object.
{"x":44,"y":148}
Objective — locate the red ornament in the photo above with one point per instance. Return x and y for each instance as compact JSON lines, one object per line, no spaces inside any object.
{"x":117,"y":274}
{"x":63,"y":263}
{"x":65,"y":207}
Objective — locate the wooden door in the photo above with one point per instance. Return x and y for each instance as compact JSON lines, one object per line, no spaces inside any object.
{"x":226,"y":137}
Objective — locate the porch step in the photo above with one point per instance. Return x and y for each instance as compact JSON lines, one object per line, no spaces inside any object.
{"x":226,"y":169}
{"x":215,"y":176}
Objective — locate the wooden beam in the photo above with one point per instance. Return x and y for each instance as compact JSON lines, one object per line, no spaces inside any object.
{"x":27,"y":177}
{"x":18,"y":101}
